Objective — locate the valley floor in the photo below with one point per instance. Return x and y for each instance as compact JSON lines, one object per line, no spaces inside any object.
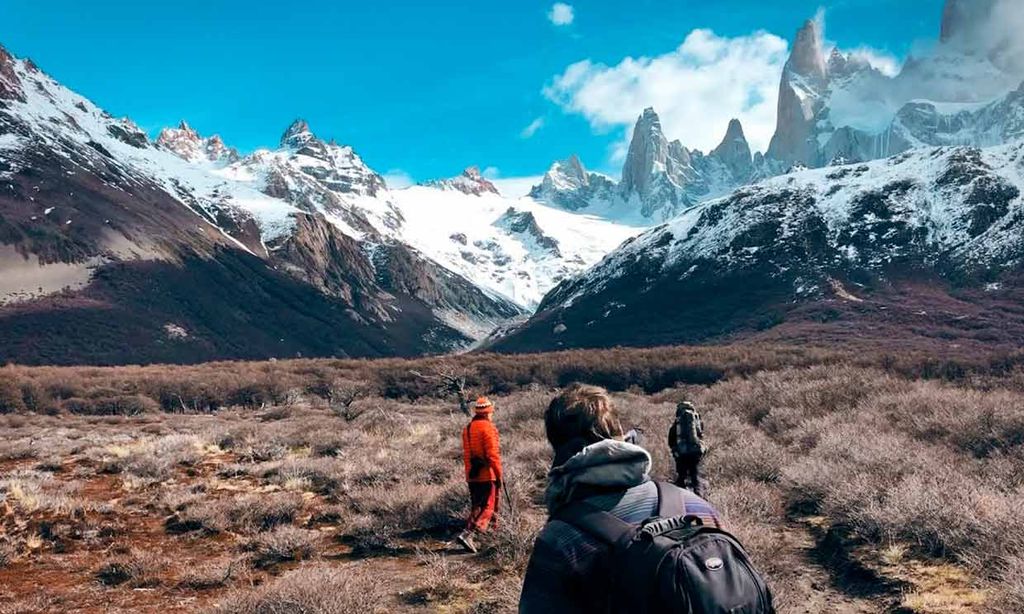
{"x":855,"y":489}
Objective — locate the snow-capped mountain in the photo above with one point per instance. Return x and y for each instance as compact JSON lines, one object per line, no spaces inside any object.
{"x":833,"y":108}
{"x":813,"y":244}
{"x":88,"y":202}
{"x":109,"y":241}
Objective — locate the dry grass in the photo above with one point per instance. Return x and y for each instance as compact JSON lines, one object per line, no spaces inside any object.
{"x":270,"y":498}
{"x":319,"y":588}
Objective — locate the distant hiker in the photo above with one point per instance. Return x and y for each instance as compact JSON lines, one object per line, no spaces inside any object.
{"x":602,"y":549}
{"x":481,"y":455}
{"x":686,"y":441}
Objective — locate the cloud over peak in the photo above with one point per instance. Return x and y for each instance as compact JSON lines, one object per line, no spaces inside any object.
{"x":696,"y":88}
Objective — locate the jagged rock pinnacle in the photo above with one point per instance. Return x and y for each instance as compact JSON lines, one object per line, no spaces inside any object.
{"x":297,"y":134}
{"x":808,"y":56}
{"x":734,"y":151}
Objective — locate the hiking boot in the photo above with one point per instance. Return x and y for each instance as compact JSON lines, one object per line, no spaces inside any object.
{"x":465,"y":539}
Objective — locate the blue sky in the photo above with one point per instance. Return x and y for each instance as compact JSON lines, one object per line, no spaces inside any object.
{"x":427,"y":88}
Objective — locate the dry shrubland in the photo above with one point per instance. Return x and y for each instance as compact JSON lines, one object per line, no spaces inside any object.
{"x":255,"y":491}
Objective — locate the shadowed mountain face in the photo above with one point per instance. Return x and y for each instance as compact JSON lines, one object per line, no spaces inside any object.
{"x":847,"y":251}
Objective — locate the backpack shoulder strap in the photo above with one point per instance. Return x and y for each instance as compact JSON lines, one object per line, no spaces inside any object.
{"x":671,"y":502}
{"x":591,"y":519}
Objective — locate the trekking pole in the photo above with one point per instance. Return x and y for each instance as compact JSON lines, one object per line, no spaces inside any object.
{"x":508,"y":500}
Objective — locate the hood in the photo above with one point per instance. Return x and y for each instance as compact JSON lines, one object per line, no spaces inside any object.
{"x":606,"y":464}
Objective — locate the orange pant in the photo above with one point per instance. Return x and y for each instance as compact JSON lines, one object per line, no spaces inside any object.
{"x":483,"y":498}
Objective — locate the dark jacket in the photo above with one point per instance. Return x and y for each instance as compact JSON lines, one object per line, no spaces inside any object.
{"x":567,"y":570}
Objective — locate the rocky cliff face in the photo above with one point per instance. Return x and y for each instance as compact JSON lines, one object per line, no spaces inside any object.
{"x":801,"y":100}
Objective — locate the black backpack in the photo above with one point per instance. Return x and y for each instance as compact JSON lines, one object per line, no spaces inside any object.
{"x":673,"y":563}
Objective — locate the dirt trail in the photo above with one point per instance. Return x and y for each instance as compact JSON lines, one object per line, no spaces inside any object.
{"x":828,"y":590}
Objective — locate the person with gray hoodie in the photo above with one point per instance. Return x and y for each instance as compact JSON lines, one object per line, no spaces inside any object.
{"x":568,"y":571}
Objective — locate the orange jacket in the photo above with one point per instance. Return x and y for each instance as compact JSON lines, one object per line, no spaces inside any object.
{"x":480,"y":443}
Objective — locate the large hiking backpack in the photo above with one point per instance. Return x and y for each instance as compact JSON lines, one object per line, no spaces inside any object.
{"x":688,"y":437}
{"x":673,"y":563}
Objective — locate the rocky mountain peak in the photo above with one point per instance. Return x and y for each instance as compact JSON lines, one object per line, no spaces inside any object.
{"x":471,"y":181}
{"x":734,"y":151}
{"x":648,"y":152}
{"x":185,"y":142}
{"x":801,"y":97}
{"x":808,"y":56}
{"x":297,"y":135}
{"x":573,"y":167}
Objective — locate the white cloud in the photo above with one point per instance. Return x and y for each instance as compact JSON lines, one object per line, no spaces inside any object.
{"x":396,"y":179}
{"x":561,"y":14}
{"x":696,"y":88}
{"x":532,"y":128}
{"x":885,"y":62}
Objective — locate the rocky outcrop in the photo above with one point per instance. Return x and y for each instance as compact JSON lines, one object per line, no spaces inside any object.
{"x":186,"y":143}
{"x":525,"y":223}
{"x":10,"y":87}
{"x":568,"y":184}
{"x":469,"y":182}
{"x":660,"y":178}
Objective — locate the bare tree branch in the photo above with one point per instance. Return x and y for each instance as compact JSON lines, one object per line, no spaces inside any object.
{"x":448,"y":380}
{"x":341,"y":397}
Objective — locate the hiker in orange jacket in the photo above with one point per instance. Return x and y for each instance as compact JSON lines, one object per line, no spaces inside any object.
{"x":481,"y":455}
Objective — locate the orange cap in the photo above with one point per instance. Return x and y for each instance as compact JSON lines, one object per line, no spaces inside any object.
{"x":483,"y":405}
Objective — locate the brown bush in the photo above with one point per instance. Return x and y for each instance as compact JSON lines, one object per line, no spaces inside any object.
{"x":121,"y":405}
{"x":135,"y":568}
{"x":319,"y":588}
{"x":285,"y":543}
{"x":11,"y":400}
{"x":212,"y":574}
{"x":244,"y":514}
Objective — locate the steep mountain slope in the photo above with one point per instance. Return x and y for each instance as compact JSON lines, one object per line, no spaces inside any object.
{"x":835,"y":248}
{"x":114,"y":241}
